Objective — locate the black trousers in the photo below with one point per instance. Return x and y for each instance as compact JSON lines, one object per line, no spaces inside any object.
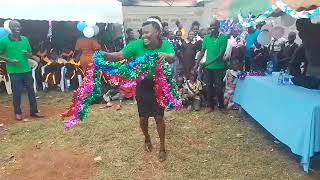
{"x":247,"y":64}
{"x":214,"y":87}
{"x":18,"y":82}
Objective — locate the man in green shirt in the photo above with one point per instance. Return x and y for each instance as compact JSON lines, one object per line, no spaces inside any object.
{"x":215,"y":44}
{"x":16,"y":50}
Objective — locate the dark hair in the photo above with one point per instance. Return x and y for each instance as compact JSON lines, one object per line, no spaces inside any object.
{"x":195,"y":23}
{"x":216,"y":22}
{"x":129,"y":30}
{"x":191,"y":32}
{"x":177,"y":22}
{"x":178,"y":31}
{"x":53,"y":51}
{"x":154,"y":24}
{"x":77,"y":53}
{"x":165,"y":24}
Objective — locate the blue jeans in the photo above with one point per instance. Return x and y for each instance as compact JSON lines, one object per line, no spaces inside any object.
{"x":18,"y":82}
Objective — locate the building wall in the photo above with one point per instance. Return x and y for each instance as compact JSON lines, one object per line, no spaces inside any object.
{"x":134,"y":16}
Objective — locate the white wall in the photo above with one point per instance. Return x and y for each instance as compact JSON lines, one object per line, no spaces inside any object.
{"x":134,"y":16}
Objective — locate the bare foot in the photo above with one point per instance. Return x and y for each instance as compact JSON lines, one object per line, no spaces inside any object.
{"x":119,"y":107}
{"x":106,"y":106}
{"x":148,"y":146}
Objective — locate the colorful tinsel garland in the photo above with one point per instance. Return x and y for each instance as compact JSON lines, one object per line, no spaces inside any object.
{"x":129,"y":74}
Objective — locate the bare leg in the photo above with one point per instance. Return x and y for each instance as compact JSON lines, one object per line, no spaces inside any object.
{"x":144,"y":127}
{"x":161,"y":128}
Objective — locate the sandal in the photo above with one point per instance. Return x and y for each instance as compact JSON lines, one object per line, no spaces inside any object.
{"x":162,"y":156}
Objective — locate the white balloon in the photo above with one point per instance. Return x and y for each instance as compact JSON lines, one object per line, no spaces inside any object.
{"x":315,"y":20}
{"x":287,"y":20}
{"x":88,"y":32}
{"x":96,"y":29}
{"x":6,"y":26}
{"x":277,"y":32}
{"x":91,"y":22}
{"x":264,"y":38}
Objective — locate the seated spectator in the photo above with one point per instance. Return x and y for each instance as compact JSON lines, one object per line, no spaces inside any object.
{"x":67,"y":54}
{"x":52,"y":71}
{"x":192,"y":92}
{"x":260,"y":57}
{"x":287,"y":52}
{"x":112,"y":95}
{"x":73,"y":70}
{"x":113,"y":92}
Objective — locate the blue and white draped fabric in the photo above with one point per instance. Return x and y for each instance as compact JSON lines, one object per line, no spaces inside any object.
{"x":247,"y":22}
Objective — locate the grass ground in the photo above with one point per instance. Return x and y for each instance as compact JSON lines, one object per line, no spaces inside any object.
{"x":199,"y":145}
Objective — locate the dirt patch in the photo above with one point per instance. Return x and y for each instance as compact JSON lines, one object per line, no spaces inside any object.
{"x":46,"y":108}
{"x":49,"y":163}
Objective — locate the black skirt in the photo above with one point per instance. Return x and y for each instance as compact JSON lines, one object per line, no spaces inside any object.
{"x":146,"y":101}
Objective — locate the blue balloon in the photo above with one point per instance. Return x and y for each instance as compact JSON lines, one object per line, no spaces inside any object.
{"x":3,"y":32}
{"x":81,"y":25}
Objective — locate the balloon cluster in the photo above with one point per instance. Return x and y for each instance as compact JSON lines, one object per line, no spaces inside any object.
{"x":88,"y":28}
{"x":128,"y":74}
{"x":287,"y":20}
{"x":243,"y":75}
{"x":5,"y":30}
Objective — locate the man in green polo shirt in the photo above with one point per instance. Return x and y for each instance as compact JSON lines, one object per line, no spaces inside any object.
{"x":16,"y":50}
{"x":215,"y":44}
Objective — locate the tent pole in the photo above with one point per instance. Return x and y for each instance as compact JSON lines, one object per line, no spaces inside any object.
{"x":123,"y":34}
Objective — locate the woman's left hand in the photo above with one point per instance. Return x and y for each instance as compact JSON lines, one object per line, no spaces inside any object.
{"x":162,"y":57}
{"x":204,"y":65}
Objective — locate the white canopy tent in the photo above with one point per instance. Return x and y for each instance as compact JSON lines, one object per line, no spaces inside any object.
{"x":101,"y":11}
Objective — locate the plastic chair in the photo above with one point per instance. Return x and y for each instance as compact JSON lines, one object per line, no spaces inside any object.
{"x":61,"y":81}
{"x":33,"y":65}
{"x":7,"y":83}
{"x":6,"y":80}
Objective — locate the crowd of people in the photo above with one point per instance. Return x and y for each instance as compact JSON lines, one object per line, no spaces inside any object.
{"x":208,"y":61}
{"x":206,"y":64}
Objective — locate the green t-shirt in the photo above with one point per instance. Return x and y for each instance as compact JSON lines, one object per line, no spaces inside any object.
{"x":214,"y":45}
{"x":14,"y":50}
{"x":137,"y":49}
